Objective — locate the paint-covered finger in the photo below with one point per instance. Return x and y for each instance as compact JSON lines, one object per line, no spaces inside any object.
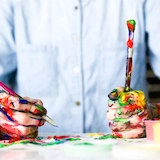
{"x":26,"y":104}
{"x":7,"y":100}
{"x":17,"y":130}
{"x":27,"y":119}
{"x":33,"y":105}
{"x":23,"y":118}
{"x":138,"y":132}
{"x":115,"y":93}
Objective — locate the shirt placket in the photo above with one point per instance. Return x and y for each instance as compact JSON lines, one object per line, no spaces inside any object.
{"x":76,"y":63}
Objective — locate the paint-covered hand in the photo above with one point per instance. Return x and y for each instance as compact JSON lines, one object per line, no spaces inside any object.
{"x":153,"y":110}
{"x":20,"y":118}
{"x":127,"y":112}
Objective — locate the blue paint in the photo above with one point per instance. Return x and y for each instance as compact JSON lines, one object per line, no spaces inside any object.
{"x":23,"y":101}
{"x":5,"y":113}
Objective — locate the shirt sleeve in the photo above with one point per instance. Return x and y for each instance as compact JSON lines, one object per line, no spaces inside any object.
{"x":7,"y":41}
{"x":152,"y":25}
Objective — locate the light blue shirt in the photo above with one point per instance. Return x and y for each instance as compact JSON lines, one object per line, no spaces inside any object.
{"x":72,"y":53}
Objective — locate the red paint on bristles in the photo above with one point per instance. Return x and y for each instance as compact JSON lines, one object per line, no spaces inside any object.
{"x":131,"y":25}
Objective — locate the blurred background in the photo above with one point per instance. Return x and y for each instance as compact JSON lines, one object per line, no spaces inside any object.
{"x":153,"y":84}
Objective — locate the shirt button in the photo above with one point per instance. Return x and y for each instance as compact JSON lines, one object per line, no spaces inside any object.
{"x":78,"y":103}
{"x":75,"y":7}
{"x":76,"y":69}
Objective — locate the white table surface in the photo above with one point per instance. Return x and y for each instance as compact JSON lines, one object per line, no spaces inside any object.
{"x":121,"y":149}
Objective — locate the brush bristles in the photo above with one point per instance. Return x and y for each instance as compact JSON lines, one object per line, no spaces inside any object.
{"x":131,"y":25}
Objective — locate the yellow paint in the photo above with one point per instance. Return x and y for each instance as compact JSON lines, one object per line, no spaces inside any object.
{"x":94,"y":134}
{"x":156,"y":132}
{"x":136,"y":96}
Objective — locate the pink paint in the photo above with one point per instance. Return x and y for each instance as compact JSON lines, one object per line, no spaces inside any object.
{"x":8,"y":90}
{"x":149,"y":128}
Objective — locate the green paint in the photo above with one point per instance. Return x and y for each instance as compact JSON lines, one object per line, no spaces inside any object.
{"x":108,"y":136}
{"x":122,"y":103}
{"x":48,"y":144}
{"x":133,"y":22}
{"x":119,"y":111}
{"x":127,"y":89}
{"x":131,"y":25}
{"x":122,"y":120}
{"x":114,"y":94}
{"x":84,"y":143}
{"x":73,"y":139}
{"x":38,"y":107}
{"x":37,"y":142}
{"x":138,"y":110}
{"x":2,"y":145}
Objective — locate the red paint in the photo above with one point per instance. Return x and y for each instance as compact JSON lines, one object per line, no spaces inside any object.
{"x":138,"y":125}
{"x":142,"y":116}
{"x":155,"y":119}
{"x":130,"y":43}
{"x":131,"y":108}
{"x":130,"y":27}
{"x":60,"y":137}
{"x":5,"y":102}
{"x":9,"y":112}
{"x":10,"y":129}
{"x":117,"y":134}
{"x":116,"y":130}
{"x":26,"y":110}
{"x":36,"y":111}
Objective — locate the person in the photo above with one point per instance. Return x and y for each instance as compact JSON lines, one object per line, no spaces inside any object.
{"x":71,"y":54}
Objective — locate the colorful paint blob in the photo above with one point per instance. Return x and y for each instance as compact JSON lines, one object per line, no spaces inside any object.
{"x":127,"y":113}
{"x":42,"y":141}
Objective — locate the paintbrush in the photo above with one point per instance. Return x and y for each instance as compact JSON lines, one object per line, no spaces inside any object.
{"x":12,"y":93}
{"x":131,"y":27}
